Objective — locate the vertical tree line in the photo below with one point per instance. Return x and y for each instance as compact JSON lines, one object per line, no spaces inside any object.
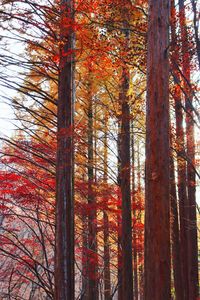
{"x":64,"y":253}
{"x":157,"y":228}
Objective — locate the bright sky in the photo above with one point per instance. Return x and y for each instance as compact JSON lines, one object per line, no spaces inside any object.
{"x":6,"y":120}
{"x":7,"y":117}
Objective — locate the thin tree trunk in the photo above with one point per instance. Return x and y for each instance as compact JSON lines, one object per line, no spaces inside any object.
{"x":84,"y":294}
{"x":175,"y":235}
{"x":64,"y":255}
{"x":141,"y":254}
{"x":192,"y":223}
{"x":183,"y":202}
{"x":92,"y":217}
{"x":191,"y":181}
{"x":181,"y":163}
{"x":107,"y":283}
{"x":127,"y":268}
{"x":125,"y":180}
{"x":119,"y":252}
{"x":135,"y":259}
{"x":157,"y":223}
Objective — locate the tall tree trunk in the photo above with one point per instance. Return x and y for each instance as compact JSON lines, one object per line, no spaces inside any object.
{"x":192,"y":223}
{"x":107,"y":283}
{"x":84,"y":294}
{"x":127,"y":268}
{"x":125,"y":176}
{"x":135,"y":265}
{"x":92,"y":217}
{"x":183,"y":202}
{"x":175,"y":235}
{"x":157,"y":224}
{"x":64,"y":255}
{"x":141,"y":253}
{"x":191,"y":181}
{"x":119,"y":252}
{"x":181,"y":163}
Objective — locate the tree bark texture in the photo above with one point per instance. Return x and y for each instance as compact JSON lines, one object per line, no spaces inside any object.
{"x":85,"y":259}
{"x":92,"y":217}
{"x":190,"y":142}
{"x":135,"y":256}
{"x":157,"y":223}
{"x":127,"y":267}
{"x":64,"y":255}
{"x":175,"y":235}
{"x":141,"y":253}
{"x":181,"y":163}
{"x":107,"y":282}
{"x":119,"y":237}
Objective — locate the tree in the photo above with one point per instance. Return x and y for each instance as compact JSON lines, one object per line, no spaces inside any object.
{"x":175,"y":233}
{"x":191,"y":247}
{"x":107,"y":281}
{"x":181,"y":163}
{"x":64,"y":255}
{"x":28,"y":228}
{"x":157,"y":232}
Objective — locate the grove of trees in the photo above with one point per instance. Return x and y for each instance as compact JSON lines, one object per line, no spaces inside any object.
{"x":100,"y":179}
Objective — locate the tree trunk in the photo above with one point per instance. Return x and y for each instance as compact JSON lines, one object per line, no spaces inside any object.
{"x":181,"y":163}
{"x":175,"y":235}
{"x":84,"y":294}
{"x":92,"y":217}
{"x":107,"y":283}
{"x":119,"y":252}
{"x":192,"y":223}
{"x":135,"y":259}
{"x":141,"y":253}
{"x":127,"y":268}
{"x":157,"y":224}
{"x":191,"y":181}
{"x":64,"y":255}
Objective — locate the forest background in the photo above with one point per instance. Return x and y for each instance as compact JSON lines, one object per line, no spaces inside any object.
{"x":110,"y":64}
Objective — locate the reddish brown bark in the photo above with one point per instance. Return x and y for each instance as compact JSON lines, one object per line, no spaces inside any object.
{"x":183,"y":202}
{"x":125,"y":161}
{"x":119,"y":253}
{"x":84,"y":292}
{"x":92,"y":217}
{"x":119,"y":262}
{"x":191,"y":181}
{"x":175,"y":236}
{"x":135,"y":268}
{"x":157,"y":225}
{"x":107,"y":283}
{"x":135,"y":258}
{"x":181,"y":163}
{"x":141,"y":253}
{"x":127,"y":268}
{"x":64,"y":256}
